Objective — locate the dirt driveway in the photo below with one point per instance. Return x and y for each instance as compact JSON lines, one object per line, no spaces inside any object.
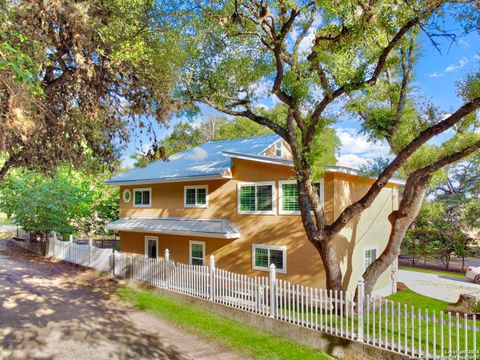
{"x":54,"y":310}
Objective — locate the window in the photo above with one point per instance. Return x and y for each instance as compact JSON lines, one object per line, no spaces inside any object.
{"x":142,"y":197}
{"x":151,"y":246}
{"x":197,"y":252}
{"x":288,"y":195}
{"x":265,"y":255}
{"x":196,"y":196}
{"x":256,"y":198}
{"x":278,"y":149}
{"x":370,"y":256}
{"x":126,"y":195}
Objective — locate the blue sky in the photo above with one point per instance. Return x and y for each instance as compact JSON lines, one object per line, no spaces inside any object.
{"x":435,"y":77}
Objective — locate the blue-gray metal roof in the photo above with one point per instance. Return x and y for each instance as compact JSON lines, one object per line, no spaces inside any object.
{"x":214,"y":227}
{"x":202,"y":161}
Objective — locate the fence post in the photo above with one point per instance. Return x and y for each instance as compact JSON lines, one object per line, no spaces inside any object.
{"x":113,"y":262}
{"x":272,"y":290}
{"x":360,"y":307}
{"x":90,"y":244}
{"x":70,"y":242}
{"x":167,"y":267}
{"x":212,"y":277}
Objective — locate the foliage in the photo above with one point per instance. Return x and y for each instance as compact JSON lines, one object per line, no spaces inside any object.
{"x":75,"y":77}
{"x":254,"y":343}
{"x":434,"y":233}
{"x":68,"y":201}
{"x":315,"y":58}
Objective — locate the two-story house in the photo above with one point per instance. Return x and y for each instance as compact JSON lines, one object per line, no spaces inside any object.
{"x":238,"y":200}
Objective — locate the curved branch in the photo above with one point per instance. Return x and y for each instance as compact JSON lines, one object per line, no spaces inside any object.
{"x":261,"y":120}
{"x":350,"y":211}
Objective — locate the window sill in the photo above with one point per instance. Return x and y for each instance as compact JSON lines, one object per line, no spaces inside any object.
{"x":195,"y":206}
{"x":268,"y":269}
{"x":142,"y":206}
{"x":256,"y":213}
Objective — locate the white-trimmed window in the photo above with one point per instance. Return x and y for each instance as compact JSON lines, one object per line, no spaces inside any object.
{"x":278,"y":149}
{"x":256,"y":198}
{"x":288,"y":196}
{"x":196,"y":196}
{"x":142,"y":197}
{"x":265,"y":255}
{"x":151,"y":246}
{"x":370,"y":256}
{"x":197,"y":252}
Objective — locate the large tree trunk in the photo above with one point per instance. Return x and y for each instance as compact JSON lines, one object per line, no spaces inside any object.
{"x":415,"y":190}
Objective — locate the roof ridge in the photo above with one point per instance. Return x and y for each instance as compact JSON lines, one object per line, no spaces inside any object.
{"x":230,"y":140}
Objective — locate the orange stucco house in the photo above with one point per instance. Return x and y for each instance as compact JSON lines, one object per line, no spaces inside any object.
{"x":237,"y":200}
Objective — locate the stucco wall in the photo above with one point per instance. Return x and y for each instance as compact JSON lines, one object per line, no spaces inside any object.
{"x":303,"y":262}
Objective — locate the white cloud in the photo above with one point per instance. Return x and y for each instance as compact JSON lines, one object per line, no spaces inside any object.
{"x":354,"y":143}
{"x":476,"y":57}
{"x":351,"y":161}
{"x":450,"y":68}
{"x":356,"y":149}
{"x":463,"y":61}
{"x":464,"y":43}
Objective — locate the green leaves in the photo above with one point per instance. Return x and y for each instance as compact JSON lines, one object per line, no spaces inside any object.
{"x":68,"y":202}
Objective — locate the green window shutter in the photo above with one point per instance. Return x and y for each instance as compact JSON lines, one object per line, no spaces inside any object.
{"x":290,"y":197}
{"x":247,"y":198}
{"x":261,"y":257}
{"x":138,"y":198}
{"x":146,"y":198}
{"x":276,"y":258}
{"x":190,"y":197}
{"x":201,"y":196}
{"x":264,"y":198}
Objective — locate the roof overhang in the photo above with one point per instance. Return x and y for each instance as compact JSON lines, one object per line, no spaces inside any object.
{"x":289,"y":163}
{"x":225,"y":176}
{"x":212,"y":228}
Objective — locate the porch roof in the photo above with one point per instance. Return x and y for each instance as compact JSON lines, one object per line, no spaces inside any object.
{"x":212,"y":227}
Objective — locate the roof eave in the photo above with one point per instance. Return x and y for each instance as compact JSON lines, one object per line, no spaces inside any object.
{"x":180,"y":233}
{"x":223,"y":176}
{"x":289,"y":163}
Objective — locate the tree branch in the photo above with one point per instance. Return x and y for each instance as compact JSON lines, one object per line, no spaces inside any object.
{"x":262,"y":120}
{"x":350,"y":211}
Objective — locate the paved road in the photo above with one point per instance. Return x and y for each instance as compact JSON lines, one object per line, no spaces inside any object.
{"x":446,"y":288}
{"x":53,"y":310}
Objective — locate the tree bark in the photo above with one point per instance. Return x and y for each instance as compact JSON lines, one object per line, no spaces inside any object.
{"x":401,"y":219}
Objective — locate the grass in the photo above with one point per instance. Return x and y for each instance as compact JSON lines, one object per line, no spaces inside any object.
{"x":231,"y":334}
{"x":436,"y":272}
{"x":411,"y":298}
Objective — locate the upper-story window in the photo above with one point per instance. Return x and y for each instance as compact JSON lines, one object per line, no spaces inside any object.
{"x":196,"y":196}
{"x":288,"y":195}
{"x":278,"y":149}
{"x":142,"y":197}
{"x":370,"y":256}
{"x":256,"y":198}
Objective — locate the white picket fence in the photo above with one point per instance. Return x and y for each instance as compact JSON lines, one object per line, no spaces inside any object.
{"x":418,"y":333}
{"x":85,"y":255}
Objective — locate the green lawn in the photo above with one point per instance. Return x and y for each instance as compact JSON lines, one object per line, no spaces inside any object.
{"x":240,"y":337}
{"x":411,"y":298}
{"x":430,"y":271}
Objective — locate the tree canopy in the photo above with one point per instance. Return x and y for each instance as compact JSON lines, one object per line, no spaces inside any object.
{"x":313,"y":57}
{"x":75,"y":75}
{"x":68,"y":201}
